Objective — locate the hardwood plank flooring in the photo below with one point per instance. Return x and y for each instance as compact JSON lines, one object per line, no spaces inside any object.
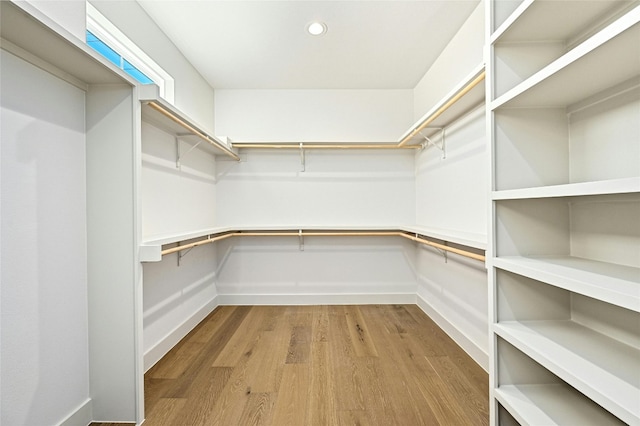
{"x":316,"y":365}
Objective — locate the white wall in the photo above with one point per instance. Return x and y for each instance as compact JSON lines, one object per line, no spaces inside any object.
{"x":193,"y":95}
{"x":69,"y":14}
{"x":44,"y":358}
{"x":337,"y":188}
{"x":177,"y":298}
{"x":463,"y":53}
{"x":175,"y":199}
{"x":328,"y":270}
{"x":451,"y":195}
{"x":313,"y":115}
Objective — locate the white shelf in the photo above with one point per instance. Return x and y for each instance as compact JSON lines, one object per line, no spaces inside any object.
{"x":468,"y":239}
{"x":169,"y":120}
{"x":151,"y":247}
{"x":561,"y":22}
{"x":552,"y":404}
{"x":613,"y":186}
{"x":600,"y":62}
{"x":465,"y":104}
{"x":602,"y":368}
{"x":611,"y":283}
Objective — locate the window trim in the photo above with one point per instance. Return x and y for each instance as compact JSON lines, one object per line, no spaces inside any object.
{"x":108,"y":33}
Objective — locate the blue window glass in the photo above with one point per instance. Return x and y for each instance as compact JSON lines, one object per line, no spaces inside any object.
{"x":135,"y":73}
{"x":99,"y":46}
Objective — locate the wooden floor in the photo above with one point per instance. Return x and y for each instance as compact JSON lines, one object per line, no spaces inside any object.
{"x":316,"y":365}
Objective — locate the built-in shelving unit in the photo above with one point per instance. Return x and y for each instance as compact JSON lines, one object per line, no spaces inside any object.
{"x":564,"y":266}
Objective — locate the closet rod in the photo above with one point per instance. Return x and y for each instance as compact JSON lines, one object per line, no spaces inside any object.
{"x":196,"y":243}
{"x":455,"y":98}
{"x":461,"y":252}
{"x":193,"y":130}
{"x":443,"y":247}
{"x":319,"y":145}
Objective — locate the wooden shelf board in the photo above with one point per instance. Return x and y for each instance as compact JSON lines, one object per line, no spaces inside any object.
{"x":611,"y":283}
{"x":604,"y":369}
{"x":601,"y":62}
{"x":613,"y":186}
{"x":552,"y":404}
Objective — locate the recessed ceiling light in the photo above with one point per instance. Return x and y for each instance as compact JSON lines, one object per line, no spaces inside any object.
{"x":317,"y":28}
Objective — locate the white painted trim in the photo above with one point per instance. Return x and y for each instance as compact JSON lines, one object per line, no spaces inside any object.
{"x":81,"y":416}
{"x":102,"y":28}
{"x":468,"y":345}
{"x":317,"y":299}
{"x":153,"y":355}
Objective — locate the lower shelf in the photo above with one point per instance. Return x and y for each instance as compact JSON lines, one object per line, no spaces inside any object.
{"x":604,"y":369}
{"x":611,"y":283}
{"x":552,"y":404}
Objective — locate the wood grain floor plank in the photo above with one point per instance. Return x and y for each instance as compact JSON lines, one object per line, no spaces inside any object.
{"x":317,"y":365}
{"x":293,"y":396}
{"x":447,"y":409}
{"x":203,"y":395}
{"x":245,"y":336}
{"x":360,"y":337}
{"x":258,"y":409}
{"x":458,"y":384}
{"x":166,"y":412}
{"x":322,"y":400}
{"x":209,"y":353}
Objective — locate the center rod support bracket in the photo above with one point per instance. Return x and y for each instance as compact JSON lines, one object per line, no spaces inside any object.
{"x":302,"y":158}
{"x":428,"y":141}
{"x":180,"y":156}
{"x":301,"y":239}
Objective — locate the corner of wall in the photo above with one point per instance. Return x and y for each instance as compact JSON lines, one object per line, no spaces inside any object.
{"x":473,"y":350}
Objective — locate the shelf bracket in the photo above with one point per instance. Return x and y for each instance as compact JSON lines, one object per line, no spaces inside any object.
{"x":444,"y":253}
{"x":180,"y":156}
{"x":301,"y":240}
{"x":303,"y":160}
{"x":428,"y":141}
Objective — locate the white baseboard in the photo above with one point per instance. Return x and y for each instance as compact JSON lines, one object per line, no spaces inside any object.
{"x":154,"y":354}
{"x":81,"y":416}
{"x":474,"y":351}
{"x":317,"y":299}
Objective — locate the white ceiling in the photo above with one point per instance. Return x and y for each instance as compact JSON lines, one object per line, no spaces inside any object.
{"x":238,"y":44}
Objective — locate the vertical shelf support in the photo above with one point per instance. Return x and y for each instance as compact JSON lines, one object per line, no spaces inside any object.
{"x":303,"y":160}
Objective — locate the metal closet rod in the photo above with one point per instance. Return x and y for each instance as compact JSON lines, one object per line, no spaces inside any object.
{"x":301,"y":233}
{"x":158,"y":107}
{"x":320,"y":145}
{"x":455,"y":98}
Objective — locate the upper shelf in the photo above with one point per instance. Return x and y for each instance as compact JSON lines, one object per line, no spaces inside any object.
{"x":167,"y":117}
{"x":28,"y":33}
{"x":561,"y":22}
{"x":467,"y":95}
{"x":603,"y":61}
